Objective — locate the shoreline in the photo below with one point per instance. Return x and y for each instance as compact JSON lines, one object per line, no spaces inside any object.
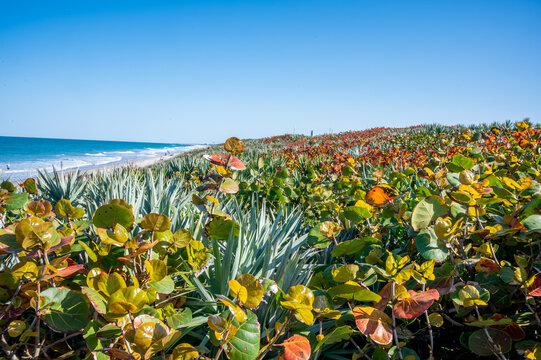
{"x":137,"y":163}
{"x":127,"y":163}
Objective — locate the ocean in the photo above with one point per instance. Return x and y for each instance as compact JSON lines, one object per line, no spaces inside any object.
{"x":22,"y":157}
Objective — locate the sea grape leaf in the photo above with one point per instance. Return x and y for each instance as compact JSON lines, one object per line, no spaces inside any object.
{"x":185,"y":351}
{"x":337,"y":334}
{"x":148,"y":333}
{"x":247,"y":289}
{"x":197,"y":254}
{"x":180,"y":318}
{"x":317,"y":238}
{"x":155,"y":222}
{"x":107,"y":216}
{"x":300,"y":299}
{"x":353,"y":246}
{"x":430,"y":247}
{"x":16,"y":201}
{"x":40,"y":208}
{"x":373,"y":323}
{"x":356,"y":214}
{"x":127,"y":300}
{"x":532,"y":223}
{"x":479,"y":343}
{"x":65,"y":310}
{"x":461,"y":162}
{"x":416,"y":304}
{"x":296,"y":347}
{"x":245,"y":343}
{"x":229,"y":186}
{"x":234,"y":146}
{"x":164,"y":286}
{"x":33,"y":231}
{"x":352,"y":291}
{"x":162,"y":343}
{"x":182,"y":238}
{"x":116,"y":236}
{"x":345,"y":273}
{"x":220,"y":228}
{"x":426,"y":211}
{"x":98,"y":302}
{"x":235,"y":309}
{"x":30,"y":186}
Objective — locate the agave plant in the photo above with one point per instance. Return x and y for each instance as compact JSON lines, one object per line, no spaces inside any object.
{"x":62,"y":185}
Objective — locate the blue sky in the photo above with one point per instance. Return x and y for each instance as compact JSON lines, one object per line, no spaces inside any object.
{"x":201,"y":71}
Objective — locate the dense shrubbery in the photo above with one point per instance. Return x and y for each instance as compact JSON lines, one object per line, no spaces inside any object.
{"x":419,"y":243}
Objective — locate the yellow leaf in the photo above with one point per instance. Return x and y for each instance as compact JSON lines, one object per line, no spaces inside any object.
{"x":404,"y":275}
{"x":391,"y":267}
{"x":236,"y":310}
{"x":435,"y":319}
{"x":248,"y":290}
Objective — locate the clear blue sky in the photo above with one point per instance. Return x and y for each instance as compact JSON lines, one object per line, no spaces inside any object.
{"x":201,"y":71}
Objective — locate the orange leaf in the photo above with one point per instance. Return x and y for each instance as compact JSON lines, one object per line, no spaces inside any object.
{"x":373,"y":323}
{"x":221,"y":160}
{"x":67,"y":271}
{"x":487,"y":265}
{"x":416,"y":304}
{"x":297,"y":347}
{"x":380,"y":195}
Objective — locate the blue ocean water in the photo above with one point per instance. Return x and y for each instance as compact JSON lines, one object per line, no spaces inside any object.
{"x":21,"y":157}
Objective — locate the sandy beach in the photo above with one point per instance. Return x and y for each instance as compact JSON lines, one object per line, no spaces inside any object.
{"x":128,"y":163}
{"x":138,"y":163}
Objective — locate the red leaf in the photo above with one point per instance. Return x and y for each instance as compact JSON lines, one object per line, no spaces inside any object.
{"x":63,"y":242}
{"x":67,"y":271}
{"x":535,"y":288}
{"x":416,"y":304}
{"x":513,"y":329}
{"x":297,"y":347}
{"x":386,"y":296}
{"x":221,"y":160}
{"x":373,"y":323}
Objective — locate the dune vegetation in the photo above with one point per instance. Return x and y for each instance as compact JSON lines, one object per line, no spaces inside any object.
{"x":415,"y":243}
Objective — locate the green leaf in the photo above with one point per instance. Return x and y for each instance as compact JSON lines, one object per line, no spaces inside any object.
{"x":7,"y":185}
{"x":130,"y":299}
{"x":317,"y":239}
{"x":430,"y":247}
{"x":180,"y":319}
{"x":155,"y":222}
{"x":337,"y":334}
{"x":107,"y":216}
{"x":16,"y":201}
{"x":353,"y":291}
{"x":426,"y":211}
{"x":182,"y":238}
{"x":461,"y":162}
{"x":345,"y":273}
{"x":353,"y":246}
{"x":479,"y":343}
{"x":164,"y":286}
{"x":532,"y":223}
{"x":65,"y":310}
{"x":245,"y":344}
{"x":356,"y":214}
{"x":220,"y":228}
{"x":97,"y":301}
{"x":93,"y":341}
{"x":30,"y":186}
